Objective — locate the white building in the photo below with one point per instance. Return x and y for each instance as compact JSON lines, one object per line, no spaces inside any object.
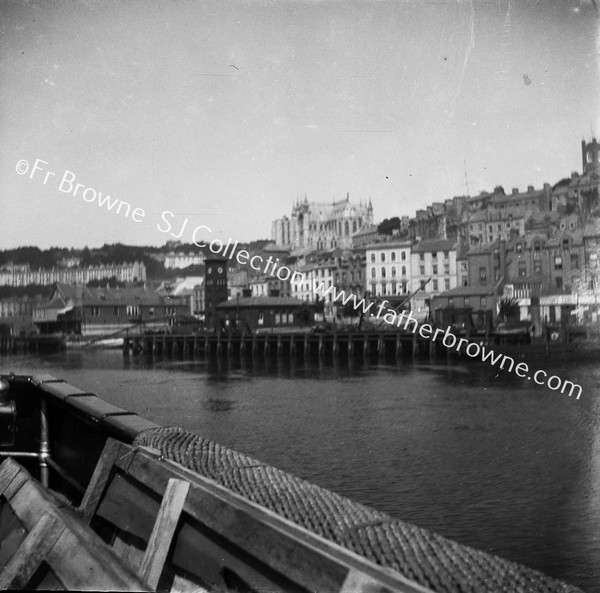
{"x":388,"y":268}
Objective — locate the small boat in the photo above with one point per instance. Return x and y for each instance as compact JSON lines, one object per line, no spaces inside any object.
{"x":93,"y":497}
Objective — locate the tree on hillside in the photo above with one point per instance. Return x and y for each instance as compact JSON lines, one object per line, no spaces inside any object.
{"x":388,"y":226}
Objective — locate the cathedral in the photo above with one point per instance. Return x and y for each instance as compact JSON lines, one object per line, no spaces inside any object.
{"x":322,"y":226}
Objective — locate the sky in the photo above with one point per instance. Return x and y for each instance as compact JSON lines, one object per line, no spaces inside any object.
{"x":224,"y":113}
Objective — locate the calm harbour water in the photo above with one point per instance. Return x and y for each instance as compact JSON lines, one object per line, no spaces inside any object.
{"x":489,"y":460}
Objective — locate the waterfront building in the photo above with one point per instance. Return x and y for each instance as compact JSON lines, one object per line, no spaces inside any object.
{"x":265,"y":313}
{"x":538,"y":264}
{"x":433,"y":267}
{"x":215,"y":288}
{"x":466,"y":307}
{"x":79,"y":309}
{"x":321,"y":225}
{"x":388,"y":267}
{"x":486,"y":264}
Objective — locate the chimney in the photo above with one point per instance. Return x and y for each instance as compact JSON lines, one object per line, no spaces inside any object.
{"x":530,"y":189}
{"x":515,"y":191}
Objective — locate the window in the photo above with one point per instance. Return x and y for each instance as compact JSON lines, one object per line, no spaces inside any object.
{"x":559,"y":282}
{"x":403,"y":270}
{"x":483,"y":302}
{"x":537,"y":266}
{"x":434,"y":285}
{"x":519,"y":247}
{"x":393,"y":256}
{"x":574,"y":261}
{"x":382,"y":256}
{"x":372,"y":257}
{"x":557,"y":262}
{"x":434,"y":269}
{"x":447,"y":284}
{"x":565,"y":243}
{"x":421,"y":257}
{"x":522,"y":269}
{"x":434,"y":255}
{"x":373,"y":273}
{"x":593,"y":260}
{"x":467,"y":302}
{"x":261,"y":319}
{"x":116,"y":311}
{"x":95,"y":311}
{"x":446,"y":254}
{"x":403,"y":256}
{"x":393,"y":271}
{"x":463,"y":266}
{"x":151,"y":311}
{"x":422,"y":270}
{"x":447,"y":269}
{"x":451,"y":302}
{"x":382,"y":272}
{"x":482,"y":275}
{"x":277,"y":319}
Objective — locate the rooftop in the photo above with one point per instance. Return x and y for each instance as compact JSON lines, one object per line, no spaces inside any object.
{"x":262,"y":301}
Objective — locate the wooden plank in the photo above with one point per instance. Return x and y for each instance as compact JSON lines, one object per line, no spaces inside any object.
{"x":99,"y":479}
{"x":16,"y":483}
{"x":303,"y":557}
{"x":8,"y":470}
{"x":163,"y":531}
{"x":79,"y":558}
{"x":31,"y":553}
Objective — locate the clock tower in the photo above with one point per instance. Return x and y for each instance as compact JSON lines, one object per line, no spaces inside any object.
{"x":215,"y":288}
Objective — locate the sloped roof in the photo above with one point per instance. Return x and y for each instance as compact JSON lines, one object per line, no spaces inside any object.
{"x":262,"y":301}
{"x":436,"y":245}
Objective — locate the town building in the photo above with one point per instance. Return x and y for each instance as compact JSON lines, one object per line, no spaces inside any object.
{"x":270,"y":286}
{"x":215,"y":288}
{"x":466,"y":307}
{"x":79,"y":309}
{"x":591,"y":242}
{"x":264,"y":313}
{"x":433,"y":271}
{"x":388,"y":267}
{"x":538,"y":264}
{"x":322,"y":226}
{"x":486,"y":264}
{"x":23,"y":275}
{"x":180,"y":259}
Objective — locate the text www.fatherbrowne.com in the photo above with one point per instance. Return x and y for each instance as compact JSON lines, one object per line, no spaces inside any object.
{"x":406,"y":321}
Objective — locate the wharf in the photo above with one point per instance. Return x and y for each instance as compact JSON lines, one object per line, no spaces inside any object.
{"x":296,"y":346}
